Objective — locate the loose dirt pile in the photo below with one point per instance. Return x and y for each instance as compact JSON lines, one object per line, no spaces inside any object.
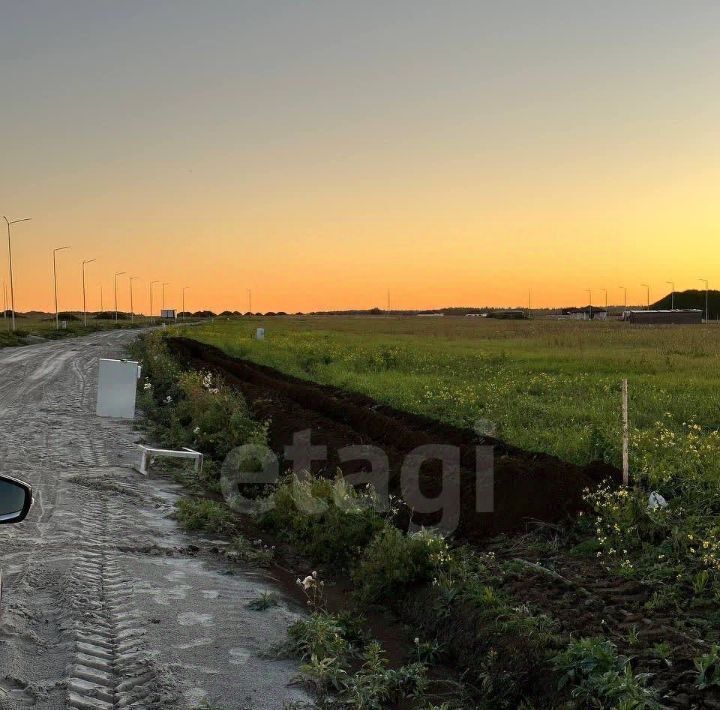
{"x":527,"y":486}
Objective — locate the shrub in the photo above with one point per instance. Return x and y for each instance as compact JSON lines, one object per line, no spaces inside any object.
{"x":395,"y":562}
{"x":329,"y":647}
{"x":193,"y":409}
{"x":206,"y":516}
{"x":321,"y":635}
{"x":597,"y":676}
{"x":708,"y":669}
{"x":375,"y":686}
{"x":212,"y":416}
{"x":254,"y":554}
{"x":328,"y":519}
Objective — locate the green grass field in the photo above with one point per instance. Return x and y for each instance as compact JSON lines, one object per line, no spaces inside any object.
{"x":44,"y":327}
{"x":544,"y":385}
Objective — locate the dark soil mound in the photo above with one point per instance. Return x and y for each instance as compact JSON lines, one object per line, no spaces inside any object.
{"x":527,"y":486}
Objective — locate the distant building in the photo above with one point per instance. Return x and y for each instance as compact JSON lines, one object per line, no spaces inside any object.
{"x":584,"y":313}
{"x":168,"y":313}
{"x":688,"y":316}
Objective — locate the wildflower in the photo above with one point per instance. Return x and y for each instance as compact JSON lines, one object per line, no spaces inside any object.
{"x":196,"y":430}
{"x":147,"y":386}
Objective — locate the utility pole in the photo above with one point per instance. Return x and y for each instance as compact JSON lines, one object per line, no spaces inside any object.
{"x":672,"y":294}
{"x":57,"y":317}
{"x":707,"y":288}
{"x":88,"y":261}
{"x":606,"y":299}
{"x":185,"y":288}
{"x":167,"y":283}
{"x":119,"y":273}
{"x":12,"y":288}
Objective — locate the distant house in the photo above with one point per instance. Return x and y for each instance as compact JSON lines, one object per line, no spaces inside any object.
{"x":584,"y":313}
{"x":687,"y":316}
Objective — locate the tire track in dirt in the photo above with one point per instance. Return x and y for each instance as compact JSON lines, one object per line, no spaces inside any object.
{"x":111,"y":669}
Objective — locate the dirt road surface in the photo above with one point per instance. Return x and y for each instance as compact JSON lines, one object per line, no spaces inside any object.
{"x":107,"y":604}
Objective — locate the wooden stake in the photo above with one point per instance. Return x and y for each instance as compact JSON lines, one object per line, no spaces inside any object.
{"x":626,"y":434}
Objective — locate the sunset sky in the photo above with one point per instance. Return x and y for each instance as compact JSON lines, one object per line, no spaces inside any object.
{"x":457,"y":152}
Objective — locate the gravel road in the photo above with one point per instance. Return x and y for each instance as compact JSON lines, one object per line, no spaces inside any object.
{"x":107,"y":604}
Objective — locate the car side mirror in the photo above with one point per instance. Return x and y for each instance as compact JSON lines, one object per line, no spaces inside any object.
{"x":15,"y":500}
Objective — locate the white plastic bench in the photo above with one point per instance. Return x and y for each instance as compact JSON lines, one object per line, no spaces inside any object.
{"x":150,"y":453}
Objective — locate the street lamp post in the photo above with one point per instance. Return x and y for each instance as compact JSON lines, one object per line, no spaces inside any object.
{"x":672,"y":294}
{"x":132,"y":311}
{"x":185,"y":288}
{"x":152,"y":283}
{"x":529,"y":303}
{"x":625,"y":299}
{"x":589,"y":293}
{"x":12,"y":289}
{"x":648,"y":294}
{"x":57,"y":316}
{"x":165,"y":283}
{"x":606,"y":298}
{"x":87,"y":261}
{"x":119,"y":273}
{"x":707,"y":288}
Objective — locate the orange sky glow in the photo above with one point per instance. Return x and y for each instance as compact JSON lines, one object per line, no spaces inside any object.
{"x":322,"y":153}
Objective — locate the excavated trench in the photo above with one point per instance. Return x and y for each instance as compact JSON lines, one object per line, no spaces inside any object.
{"x":527,"y":486}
